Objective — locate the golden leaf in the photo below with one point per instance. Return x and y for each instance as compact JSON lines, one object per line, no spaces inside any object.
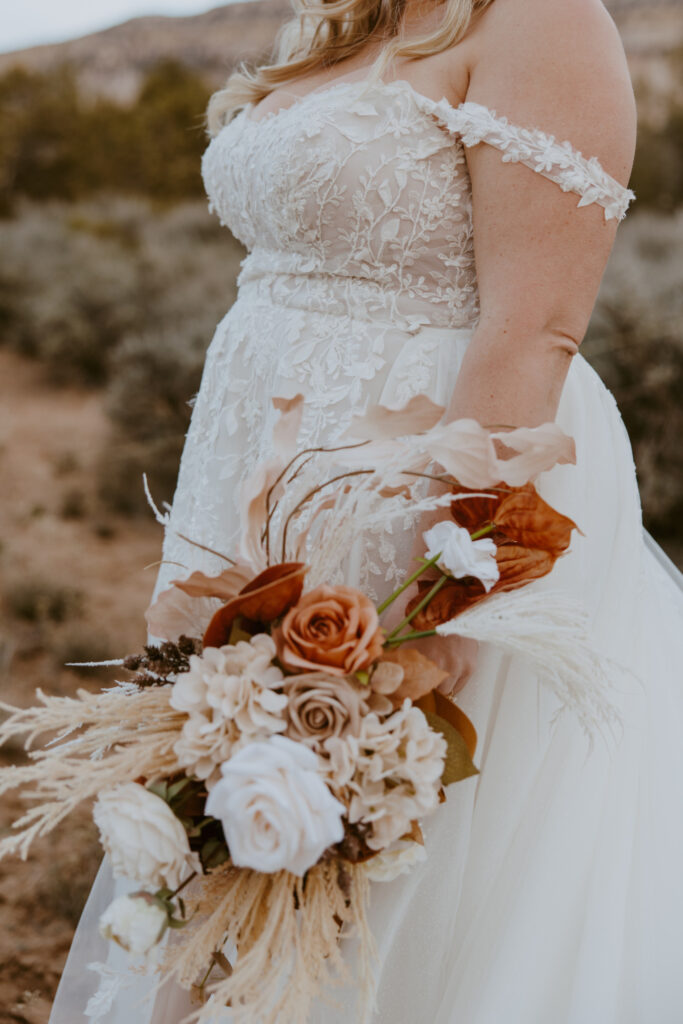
{"x":439,"y":704}
{"x":458,"y":764}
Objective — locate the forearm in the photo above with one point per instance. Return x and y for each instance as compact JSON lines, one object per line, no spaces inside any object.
{"x":508,"y":378}
{"x":512,"y":375}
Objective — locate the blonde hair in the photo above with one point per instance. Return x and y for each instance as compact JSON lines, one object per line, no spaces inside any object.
{"x":325,"y":32}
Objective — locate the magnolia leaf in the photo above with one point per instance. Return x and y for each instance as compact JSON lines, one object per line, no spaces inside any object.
{"x":266,"y":597}
{"x":238,"y":632}
{"x":524,"y":517}
{"x":458,"y":764}
{"x":445,"y":708}
{"x":519,"y":565}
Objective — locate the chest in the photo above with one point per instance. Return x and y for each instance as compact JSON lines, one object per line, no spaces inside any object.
{"x":346,"y":176}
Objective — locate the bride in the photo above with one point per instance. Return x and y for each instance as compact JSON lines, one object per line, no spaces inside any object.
{"x":416,"y":223}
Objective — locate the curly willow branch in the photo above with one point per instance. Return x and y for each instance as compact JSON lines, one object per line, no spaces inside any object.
{"x":105,"y":738}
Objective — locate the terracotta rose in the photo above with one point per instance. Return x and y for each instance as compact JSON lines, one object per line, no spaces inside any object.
{"x":335,"y":628}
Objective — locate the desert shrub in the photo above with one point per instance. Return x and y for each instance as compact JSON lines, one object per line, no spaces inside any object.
{"x":657,"y":175}
{"x":78,"y":643}
{"x":635,"y":341}
{"x":152,"y":147}
{"x":93,"y":274}
{"x":148,"y":401}
{"x":39,"y":600}
{"x":74,"y":504}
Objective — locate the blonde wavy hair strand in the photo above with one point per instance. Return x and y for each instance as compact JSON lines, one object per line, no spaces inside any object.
{"x":324,"y":33}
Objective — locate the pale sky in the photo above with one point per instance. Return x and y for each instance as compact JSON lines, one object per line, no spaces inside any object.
{"x":30,"y":22}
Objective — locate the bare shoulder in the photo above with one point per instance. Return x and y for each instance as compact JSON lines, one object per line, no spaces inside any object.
{"x":558,"y":65}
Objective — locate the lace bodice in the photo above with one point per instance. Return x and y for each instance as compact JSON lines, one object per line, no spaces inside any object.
{"x":368,"y":182}
{"x":359,"y":285}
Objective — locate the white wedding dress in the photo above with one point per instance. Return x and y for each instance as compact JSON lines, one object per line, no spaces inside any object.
{"x":552,"y":892}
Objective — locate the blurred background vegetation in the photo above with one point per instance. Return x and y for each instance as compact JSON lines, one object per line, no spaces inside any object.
{"x":113,"y":274}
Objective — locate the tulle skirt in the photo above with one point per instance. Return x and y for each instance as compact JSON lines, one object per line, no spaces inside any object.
{"x":552,"y":888}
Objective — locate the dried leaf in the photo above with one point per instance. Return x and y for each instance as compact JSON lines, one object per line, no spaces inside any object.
{"x":225,"y":585}
{"x":253,"y":509}
{"x":415,"y":834}
{"x":525,"y":518}
{"x":519,"y":565}
{"x":266,"y":597}
{"x":381,"y":423}
{"x":453,"y":598}
{"x":540,"y":448}
{"x":458,"y":764}
{"x":420,"y":674}
{"x":440,"y":705}
{"x":288,"y":426}
{"x":175,"y":614}
{"x":465,"y":450}
{"x":475,"y":511}
{"x":259,"y":484}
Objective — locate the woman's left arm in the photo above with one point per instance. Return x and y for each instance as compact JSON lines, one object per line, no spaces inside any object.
{"x":558,"y":66}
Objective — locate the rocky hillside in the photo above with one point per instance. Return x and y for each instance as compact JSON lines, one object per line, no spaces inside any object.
{"x":112,"y":62}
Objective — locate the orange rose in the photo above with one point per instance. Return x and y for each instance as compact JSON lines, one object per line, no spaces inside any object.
{"x":336,"y":628}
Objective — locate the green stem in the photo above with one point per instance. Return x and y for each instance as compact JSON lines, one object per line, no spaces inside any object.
{"x":418,"y":607}
{"x":483,"y":532}
{"x":411,"y":579}
{"x":412,"y":636}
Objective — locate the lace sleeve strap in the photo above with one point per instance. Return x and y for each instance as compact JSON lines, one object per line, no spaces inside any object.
{"x":558,"y":161}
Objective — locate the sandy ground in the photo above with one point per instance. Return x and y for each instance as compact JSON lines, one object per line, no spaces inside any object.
{"x":73,"y":586}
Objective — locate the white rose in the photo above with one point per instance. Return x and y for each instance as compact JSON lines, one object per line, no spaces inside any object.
{"x":135,"y":922}
{"x":143,"y":837}
{"x":394,"y":861}
{"x":460,"y":555}
{"x":276,"y":811}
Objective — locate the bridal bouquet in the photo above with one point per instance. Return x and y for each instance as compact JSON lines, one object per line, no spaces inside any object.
{"x":277,"y":751}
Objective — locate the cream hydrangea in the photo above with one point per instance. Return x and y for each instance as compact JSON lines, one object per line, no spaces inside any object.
{"x":230,"y":698}
{"x":389,"y":774}
{"x":142,"y":836}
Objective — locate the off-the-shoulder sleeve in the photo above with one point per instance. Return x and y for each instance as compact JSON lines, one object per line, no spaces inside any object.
{"x":558,"y":161}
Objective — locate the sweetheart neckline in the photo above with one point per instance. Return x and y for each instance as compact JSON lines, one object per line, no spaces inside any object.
{"x":380,"y":84}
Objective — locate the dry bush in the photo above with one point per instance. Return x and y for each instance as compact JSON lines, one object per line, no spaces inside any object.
{"x":41,"y":601}
{"x":77,"y":280}
{"x":635,"y":342}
